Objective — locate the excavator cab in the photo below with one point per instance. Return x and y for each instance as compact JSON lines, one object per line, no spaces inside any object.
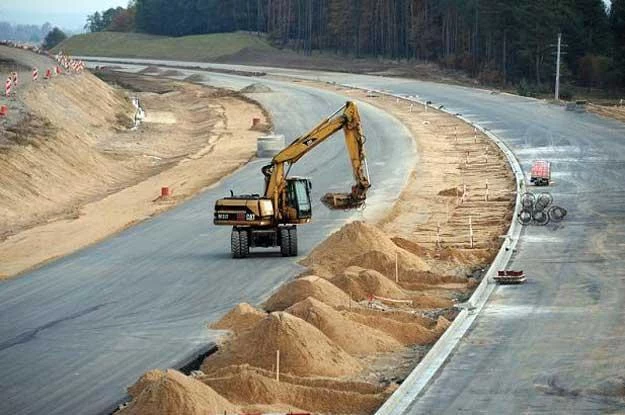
{"x":299,"y":207}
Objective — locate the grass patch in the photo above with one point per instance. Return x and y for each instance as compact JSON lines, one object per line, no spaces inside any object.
{"x":135,"y":45}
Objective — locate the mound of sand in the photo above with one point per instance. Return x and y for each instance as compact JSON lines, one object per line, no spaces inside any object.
{"x":241,"y":317}
{"x":255,"y":89}
{"x":360,"y":283}
{"x":245,"y":385}
{"x":353,"y":337}
{"x":173,"y":393}
{"x":405,"y":333}
{"x":304,"y":350}
{"x":304,"y":287}
{"x":357,"y":240}
{"x":384,"y":263}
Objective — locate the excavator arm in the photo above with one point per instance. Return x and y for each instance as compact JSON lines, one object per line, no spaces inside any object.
{"x":346,"y":118}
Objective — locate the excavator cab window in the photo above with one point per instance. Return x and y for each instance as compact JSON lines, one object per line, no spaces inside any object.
{"x":298,"y":191}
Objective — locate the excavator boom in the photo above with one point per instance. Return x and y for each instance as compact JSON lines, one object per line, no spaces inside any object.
{"x":346,"y":118}
{"x":271,"y":219}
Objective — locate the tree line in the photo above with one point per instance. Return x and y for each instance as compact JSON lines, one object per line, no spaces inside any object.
{"x":498,"y":41}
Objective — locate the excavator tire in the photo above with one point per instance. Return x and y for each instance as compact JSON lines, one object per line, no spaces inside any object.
{"x":285,"y":242}
{"x":239,"y":244}
{"x":293,"y":241}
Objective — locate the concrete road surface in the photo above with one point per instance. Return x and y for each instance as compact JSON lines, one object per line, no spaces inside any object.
{"x":77,"y":329}
{"x":556,"y":344}
{"x":76,"y":332}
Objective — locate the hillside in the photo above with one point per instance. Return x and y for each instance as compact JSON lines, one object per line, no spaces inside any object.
{"x":135,"y":45}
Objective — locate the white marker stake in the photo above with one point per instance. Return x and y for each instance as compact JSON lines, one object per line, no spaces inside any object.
{"x":487,"y":190}
{"x":278,"y":366}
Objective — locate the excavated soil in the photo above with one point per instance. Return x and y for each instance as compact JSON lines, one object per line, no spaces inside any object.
{"x":361,"y":284}
{"x":301,"y":288}
{"x":353,"y":337}
{"x":357,"y":240}
{"x":405,"y":333}
{"x":172,"y":393}
{"x":240,"y":318}
{"x":304,"y":350}
{"x":245,"y":384}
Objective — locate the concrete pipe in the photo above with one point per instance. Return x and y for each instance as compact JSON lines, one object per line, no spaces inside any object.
{"x":269,"y":145}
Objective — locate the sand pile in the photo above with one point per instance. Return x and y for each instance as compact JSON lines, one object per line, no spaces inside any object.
{"x":173,"y":393}
{"x":361,"y":283}
{"x":358,"y":239}
{"x":241,"y":317}
{"x":255,"y":89}
{"x":397,"y":315}
{"x":405,"y":333}
{"x":353,"y":337}
{"x":304,"y":350}
{"x":304,"y":287}
{"x":384,"y":263}
{"x":412,"y":247}
{"x":245,"y":385}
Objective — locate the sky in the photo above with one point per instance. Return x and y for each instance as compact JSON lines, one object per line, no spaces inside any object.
{"x":68,"y":14}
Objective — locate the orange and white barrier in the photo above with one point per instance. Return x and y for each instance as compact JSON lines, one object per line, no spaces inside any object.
{"x":35,"y":74}
{"x":48,"y":74}
{"x":7,"y":87}
{"x":15,"y":78}
{"x":58,"y":70}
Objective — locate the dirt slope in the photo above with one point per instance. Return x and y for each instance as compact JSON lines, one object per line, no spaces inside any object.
{"x":336,"y":253}
{"x":72,"y":172}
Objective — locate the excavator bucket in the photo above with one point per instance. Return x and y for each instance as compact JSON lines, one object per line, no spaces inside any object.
{"x":341,"y":201}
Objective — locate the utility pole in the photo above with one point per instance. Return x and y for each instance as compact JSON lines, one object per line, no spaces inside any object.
{"x":558,"y":68}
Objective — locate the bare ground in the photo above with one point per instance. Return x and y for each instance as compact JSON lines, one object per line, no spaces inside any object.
{"x":72,"y":175}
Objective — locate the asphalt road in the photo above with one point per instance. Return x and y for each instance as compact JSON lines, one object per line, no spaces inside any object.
{"x":556,"y":344}
{"x":76,"y":332}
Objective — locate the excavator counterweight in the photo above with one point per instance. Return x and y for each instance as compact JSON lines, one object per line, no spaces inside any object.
{"x":270,"y":220}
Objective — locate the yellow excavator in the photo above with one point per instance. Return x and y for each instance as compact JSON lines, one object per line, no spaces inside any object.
{"x":271,"y":220}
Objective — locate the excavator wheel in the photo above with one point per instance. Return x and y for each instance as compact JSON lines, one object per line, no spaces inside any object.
{"x":288,"y":241}
{"x":239,"y":243}
{"x":293,"y":241}
{"x":285,"y":242}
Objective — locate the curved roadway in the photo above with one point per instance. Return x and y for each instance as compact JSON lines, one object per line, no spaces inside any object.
{"x":74,"y":333}
{"x":552,"y":345}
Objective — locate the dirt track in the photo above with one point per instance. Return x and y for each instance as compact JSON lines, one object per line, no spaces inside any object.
{"x":72,"y":176}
